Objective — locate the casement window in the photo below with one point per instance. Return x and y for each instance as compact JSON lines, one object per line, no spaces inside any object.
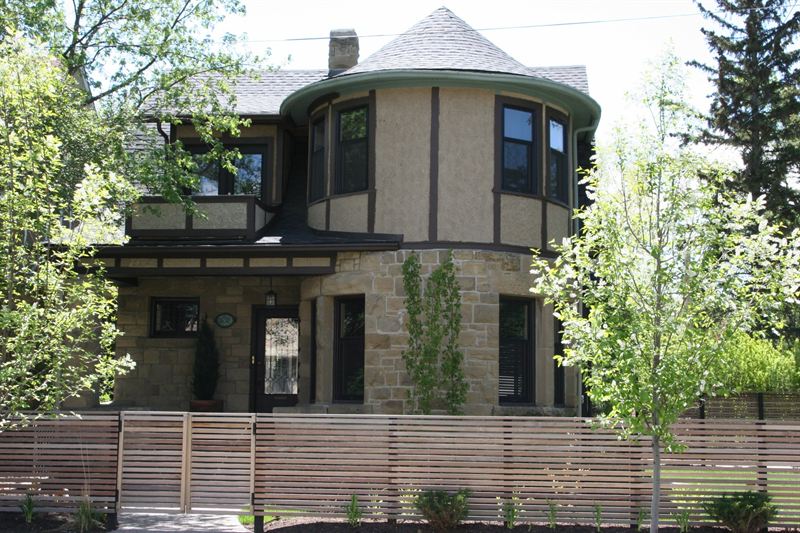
{"x":174,"y":317}
{"x":348,"y":361}
{"x":559,"y":382}
{"x":557,"y":171}
{"x":352,"y":150}
{"x":316,"y":173}
{"x":516,"y":351}
{"x":216,"y":180}
{"x":519,"y":152}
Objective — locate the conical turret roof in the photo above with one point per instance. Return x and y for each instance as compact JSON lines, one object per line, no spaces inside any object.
{"x":441,"y":41}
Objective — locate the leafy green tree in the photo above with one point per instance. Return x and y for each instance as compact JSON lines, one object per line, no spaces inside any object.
{"x":433,"y":358}
{"x":56,"y":307}
{"x":670,"y":266}
{"x":755,"y":107}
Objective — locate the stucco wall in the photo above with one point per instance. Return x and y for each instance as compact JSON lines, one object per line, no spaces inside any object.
{"x":402,"y":155}
{"x":349,"y":213}
{"x":229,"y":215}
{"x":158,"y":216}
{"x":466,"y":165}
{"x":520,"y":221}
{"x":557,"y":223}
{"x":316,"y":215}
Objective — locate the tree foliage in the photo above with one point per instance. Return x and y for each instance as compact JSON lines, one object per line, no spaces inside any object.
{"x":56,"y":307}
{"x":670,"y":266}
{"x":754,"y":364}
{"x":433,"y":358}
{"x":755,"y":107}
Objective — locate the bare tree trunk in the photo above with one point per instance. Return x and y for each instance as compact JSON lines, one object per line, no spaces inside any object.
{"x":655,"y":501}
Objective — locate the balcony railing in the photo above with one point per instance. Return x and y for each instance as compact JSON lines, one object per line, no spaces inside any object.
{"x":217,"y":217}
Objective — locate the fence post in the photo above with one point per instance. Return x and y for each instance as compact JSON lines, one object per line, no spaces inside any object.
{"x":258,"y":520}
{"x":112,"y":521}
{"x":186,"y":464}
{"x":703,"y":407}
{"x":393,"y":507}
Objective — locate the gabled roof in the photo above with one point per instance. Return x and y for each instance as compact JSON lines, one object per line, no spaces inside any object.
{"x":441,"y":41}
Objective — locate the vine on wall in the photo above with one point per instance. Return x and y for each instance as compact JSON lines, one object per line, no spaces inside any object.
{"x":434,"y":359}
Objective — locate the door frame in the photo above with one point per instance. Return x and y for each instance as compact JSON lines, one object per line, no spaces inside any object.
{"x":258,"y":314}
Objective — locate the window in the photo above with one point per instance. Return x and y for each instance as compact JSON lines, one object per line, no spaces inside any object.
{"x":557,"y":172}
{"x":174,"y":317}
{"x":215,"y":180}
{"x":316,"y":175}
{"x":352,"y":159}
{"x":348,"y":363}
{"x":519,"y":150}
{"x":559,"y":386}
{"x":516,"y":350}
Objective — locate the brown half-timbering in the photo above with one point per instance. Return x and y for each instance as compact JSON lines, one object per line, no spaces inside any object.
{"x":372,"y":123}
{"x":433,"y":205}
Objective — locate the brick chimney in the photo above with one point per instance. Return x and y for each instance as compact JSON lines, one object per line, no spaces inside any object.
{"x":343,"y":51}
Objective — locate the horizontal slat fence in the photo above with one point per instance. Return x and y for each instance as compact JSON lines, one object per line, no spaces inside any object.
{"x":296,"y":465}
{"x":749,"y":406}
{"x":60,"y":462}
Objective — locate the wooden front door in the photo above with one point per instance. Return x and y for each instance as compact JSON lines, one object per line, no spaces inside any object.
{"x":275,"y":361}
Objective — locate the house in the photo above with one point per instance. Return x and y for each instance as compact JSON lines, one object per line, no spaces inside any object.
{"x":439,"y":141}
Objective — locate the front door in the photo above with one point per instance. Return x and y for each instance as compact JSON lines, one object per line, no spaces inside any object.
{"x":276,"y":332}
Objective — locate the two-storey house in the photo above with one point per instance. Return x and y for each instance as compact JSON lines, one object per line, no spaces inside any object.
{"x":439,"y":141}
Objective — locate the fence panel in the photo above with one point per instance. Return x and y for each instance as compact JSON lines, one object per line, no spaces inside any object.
{"x":60,"y":461}
{"x":153,"y":466}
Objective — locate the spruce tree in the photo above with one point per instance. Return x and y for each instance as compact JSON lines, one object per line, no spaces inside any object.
{"x":756,"y":102}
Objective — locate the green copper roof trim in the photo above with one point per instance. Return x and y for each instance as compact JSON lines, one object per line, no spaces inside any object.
{"x":583,"y":108}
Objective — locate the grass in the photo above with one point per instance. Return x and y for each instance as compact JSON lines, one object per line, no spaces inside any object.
{"x":248,"y":519}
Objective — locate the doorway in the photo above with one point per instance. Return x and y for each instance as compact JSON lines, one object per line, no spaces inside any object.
{"x":275,"y":362}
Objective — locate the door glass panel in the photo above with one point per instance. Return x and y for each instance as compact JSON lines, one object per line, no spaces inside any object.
{"x":280,"y":355}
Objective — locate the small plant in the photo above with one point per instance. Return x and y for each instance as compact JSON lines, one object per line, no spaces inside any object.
{"x":552,"y":514}
{"x":742,"y":512}
{"x":511,"y":512}
{"x":682,"y":519}
{"x":354,"y":512}
{"x":86,"y":518}
{"x":443,"y":511}
{"x":28,"y":508}
{"x":641,"y":518}
{"x":598,"y":517}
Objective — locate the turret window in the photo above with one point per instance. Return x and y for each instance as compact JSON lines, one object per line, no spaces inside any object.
{"x":519,"y":159}
{"x":316,"y":186}
{"x":557,"y":172}
{"x":353,"y":150}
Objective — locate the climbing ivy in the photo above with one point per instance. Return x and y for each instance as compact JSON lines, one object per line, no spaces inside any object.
{"x":433,"y":359}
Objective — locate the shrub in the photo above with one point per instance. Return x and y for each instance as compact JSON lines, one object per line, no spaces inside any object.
{"x":552,"y":514}
{"x":742,"y":512}
{"x":511,"y":512}
{"x":682,"y":519}
{"x":354,"y":514}
{"x":443,"y":511}
{"x":598,"y":517}
{"x":759,"y":365}
{"x":86,"y":518}
{"x":28,"y":508}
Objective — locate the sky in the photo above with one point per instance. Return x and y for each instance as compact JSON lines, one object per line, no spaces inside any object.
{"x":615,"y":52}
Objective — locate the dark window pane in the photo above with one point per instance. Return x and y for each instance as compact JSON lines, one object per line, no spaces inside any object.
{"x":318,"y":135}
{"x":518,"y":124}
{"x":516,"y":167}
{"x":353,"y":166}
{"x":317,"y":169}
{"x":175,"y":317}
{"x":349,"y":361}
{"x":248,"y":174}
{"x":516,"y":352}
{"x":353,"y":124}
{"x":559,"y":387}
{"x":208,"y":174}
{"x":557,"y":176}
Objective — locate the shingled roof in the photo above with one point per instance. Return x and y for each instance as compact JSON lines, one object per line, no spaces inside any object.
{"x":263,"y":94}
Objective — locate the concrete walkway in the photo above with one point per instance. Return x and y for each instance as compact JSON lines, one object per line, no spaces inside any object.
{"x":179,"y":523}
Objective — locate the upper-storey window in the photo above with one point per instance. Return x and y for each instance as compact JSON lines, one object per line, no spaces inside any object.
{"x":557,"y":172}
{"x":215,"y":180}
{"x":519,"y":150}
{"x":316,"y":175}
{"x":352,"y":154}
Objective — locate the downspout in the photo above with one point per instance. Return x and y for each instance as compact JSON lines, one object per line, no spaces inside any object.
{"x":590,"y":128}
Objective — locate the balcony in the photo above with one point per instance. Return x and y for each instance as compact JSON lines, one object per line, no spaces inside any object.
{"x":218,"y":217}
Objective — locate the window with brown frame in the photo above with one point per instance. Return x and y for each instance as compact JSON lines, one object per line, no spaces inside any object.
{"x":557,"y":171}
{"x":348,"y":361}
{"x":516,"y":351}
{"x":316,"y":173}
{"x":352,"y":150}
{"x":174,"y":317}
{"x":247,"y":179}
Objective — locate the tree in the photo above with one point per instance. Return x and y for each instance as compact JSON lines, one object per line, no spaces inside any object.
{"x":56,"y":307}
{"x":755,"y":107}
{"x":433,"y":359}
{"x":670,"y":265}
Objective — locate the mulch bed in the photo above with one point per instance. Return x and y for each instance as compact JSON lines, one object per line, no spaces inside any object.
{"x":42,"y":523}
{"x":310,"y":525}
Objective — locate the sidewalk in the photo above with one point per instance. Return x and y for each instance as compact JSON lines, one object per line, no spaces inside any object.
{"x":179,"y":523}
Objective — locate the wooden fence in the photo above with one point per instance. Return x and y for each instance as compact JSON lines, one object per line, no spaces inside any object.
{"x":294,"y":465}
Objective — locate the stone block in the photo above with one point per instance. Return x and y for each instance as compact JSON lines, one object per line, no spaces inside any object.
{"x":389,"y":324}
{"x":375,"y":341}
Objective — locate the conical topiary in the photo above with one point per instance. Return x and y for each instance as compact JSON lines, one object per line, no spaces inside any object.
{"x":206,"y":363}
